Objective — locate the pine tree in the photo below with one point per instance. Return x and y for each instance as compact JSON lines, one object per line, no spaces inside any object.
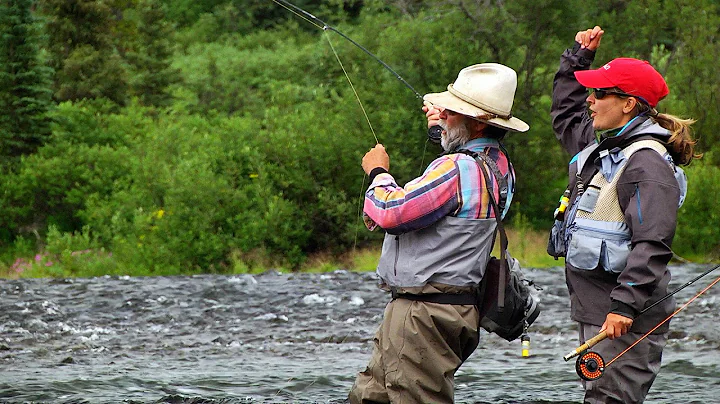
{"x":83,"y":50}
{"x":25,"y":94}
{"x":151,"y":57}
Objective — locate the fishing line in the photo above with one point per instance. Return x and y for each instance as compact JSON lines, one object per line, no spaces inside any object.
{"x":297,"y":14}
{"x":434,"y":133}
{"x":362,"y":188}
{"x":359,"y":213}
{"x":325,"y":29}
{"x":277,"y":393}
{"x":422,"y":161}
{"x":357,"y":97}
{"x":312,"y":20}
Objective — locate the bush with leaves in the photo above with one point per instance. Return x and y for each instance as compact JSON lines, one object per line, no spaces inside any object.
{"x":697,"y":232}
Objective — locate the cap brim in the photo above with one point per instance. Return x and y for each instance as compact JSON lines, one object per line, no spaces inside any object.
{"x":448,"y":101}
{"x":593,"y":79}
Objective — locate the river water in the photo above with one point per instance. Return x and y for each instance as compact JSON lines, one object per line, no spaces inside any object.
{"x":297,"y":338}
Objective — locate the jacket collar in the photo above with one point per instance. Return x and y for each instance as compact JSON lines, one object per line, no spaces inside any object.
{"x":638,"y":127}
{"x":480,"y":143}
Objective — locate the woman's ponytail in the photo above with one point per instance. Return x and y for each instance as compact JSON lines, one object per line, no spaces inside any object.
{"x":681,"y":144}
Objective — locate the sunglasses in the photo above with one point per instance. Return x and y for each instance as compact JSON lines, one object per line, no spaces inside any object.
{"x":600,"y":93}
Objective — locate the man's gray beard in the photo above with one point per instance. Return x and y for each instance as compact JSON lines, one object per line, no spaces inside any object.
{"x":453,"y":137}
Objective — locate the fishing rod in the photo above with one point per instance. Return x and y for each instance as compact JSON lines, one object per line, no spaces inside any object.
{"x":590,"y":365}
{"x":434,"y":132}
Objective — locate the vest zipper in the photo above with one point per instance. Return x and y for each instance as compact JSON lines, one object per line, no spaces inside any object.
{"x":569,"y":222}
{"x":620,"y":234}
{"x":397,"y":253}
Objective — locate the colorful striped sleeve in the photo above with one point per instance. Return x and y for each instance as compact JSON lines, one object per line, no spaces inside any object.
{"x":419,"y":204}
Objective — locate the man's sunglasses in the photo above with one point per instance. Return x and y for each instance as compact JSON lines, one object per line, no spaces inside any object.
{"x":600,"y":93}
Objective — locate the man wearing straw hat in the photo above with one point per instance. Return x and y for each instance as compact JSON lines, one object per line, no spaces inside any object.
{"x":439,"y":233}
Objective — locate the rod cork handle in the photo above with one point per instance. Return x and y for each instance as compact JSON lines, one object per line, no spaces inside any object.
{"x":587,"y":345}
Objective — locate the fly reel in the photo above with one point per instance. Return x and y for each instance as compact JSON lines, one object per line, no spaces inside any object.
{"x":435,"y":134}
{"x":590,"y":365}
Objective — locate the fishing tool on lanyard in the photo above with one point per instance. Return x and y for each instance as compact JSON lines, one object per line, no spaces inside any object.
{"x":590,"y":365}
{"x":434,"y":132}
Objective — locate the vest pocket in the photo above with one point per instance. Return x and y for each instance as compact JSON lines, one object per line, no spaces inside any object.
{"x":584,"y":250}
{"x":589,"y":199}
{"x":590,"y":247}
{"x":615,"y":255}
{"x":556,"y":240}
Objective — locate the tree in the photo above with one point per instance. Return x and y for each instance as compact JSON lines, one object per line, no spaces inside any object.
{"x":186,"y":12}
{"x":25,"y":95}
{"x":151,"y":57}
{"x":83,"y":51}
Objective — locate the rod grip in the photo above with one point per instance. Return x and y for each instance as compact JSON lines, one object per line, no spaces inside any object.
{"x":587,"y":345}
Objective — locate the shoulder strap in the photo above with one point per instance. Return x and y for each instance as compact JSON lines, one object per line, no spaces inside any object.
{"x":645,"y":144}
{"x":483,"y":160}
{"x":583,"y":156}
{"x":501,"y":180}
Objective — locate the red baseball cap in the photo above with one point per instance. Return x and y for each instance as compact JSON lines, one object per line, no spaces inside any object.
{"x":633,"y":76}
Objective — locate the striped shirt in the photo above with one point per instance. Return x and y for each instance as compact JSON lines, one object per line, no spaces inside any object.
{"x":452,"y":185}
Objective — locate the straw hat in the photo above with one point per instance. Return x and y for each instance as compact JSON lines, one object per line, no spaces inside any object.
{"x":485,"y":92}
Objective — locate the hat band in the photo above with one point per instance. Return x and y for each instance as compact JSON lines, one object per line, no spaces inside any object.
{"x":478,"y":104}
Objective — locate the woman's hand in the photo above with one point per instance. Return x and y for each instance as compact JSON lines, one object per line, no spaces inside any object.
{"x":590,"y":38}
{"x":616,"y":326}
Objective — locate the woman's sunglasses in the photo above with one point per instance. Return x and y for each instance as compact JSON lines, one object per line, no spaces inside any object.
{"x":600,"y":93}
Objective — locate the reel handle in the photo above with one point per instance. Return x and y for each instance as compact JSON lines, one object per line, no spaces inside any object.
{"x":587,"y":345}
{"x":434,"y":132}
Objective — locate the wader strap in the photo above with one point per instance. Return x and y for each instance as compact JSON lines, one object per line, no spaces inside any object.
{"x":441,"y":298}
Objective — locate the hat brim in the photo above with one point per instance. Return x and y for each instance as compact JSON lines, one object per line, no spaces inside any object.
{"x":593,"y":79}
{"x":448,"y":101}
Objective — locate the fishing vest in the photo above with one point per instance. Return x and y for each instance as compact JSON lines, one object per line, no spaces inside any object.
{"x":452,"y":251}
{"x":596,"y":233}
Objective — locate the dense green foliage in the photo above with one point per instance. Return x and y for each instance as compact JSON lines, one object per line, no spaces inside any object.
{"x":195,"y":136}
{"x":24,"y":80}
{"x":150,"y":56}
{"x":82,"y":50}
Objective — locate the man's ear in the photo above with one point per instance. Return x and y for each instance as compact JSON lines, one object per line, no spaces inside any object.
{"x":477,"y":126}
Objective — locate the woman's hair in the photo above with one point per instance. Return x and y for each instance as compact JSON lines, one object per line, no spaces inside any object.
{"x":681,"y":143}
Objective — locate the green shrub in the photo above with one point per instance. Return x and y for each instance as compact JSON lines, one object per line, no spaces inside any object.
{"x":698,"y":233}
{"x":256,"y":163}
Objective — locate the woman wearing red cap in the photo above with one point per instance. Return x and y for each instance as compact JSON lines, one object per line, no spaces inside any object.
{"x":624,"y":192}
